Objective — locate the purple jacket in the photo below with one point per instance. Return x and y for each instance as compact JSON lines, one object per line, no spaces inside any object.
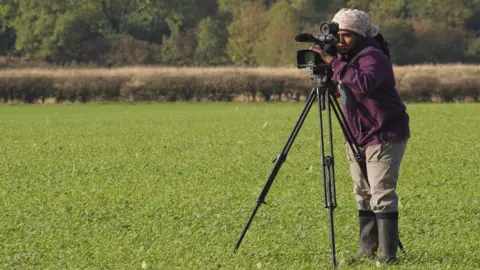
{"x":371,"y":104}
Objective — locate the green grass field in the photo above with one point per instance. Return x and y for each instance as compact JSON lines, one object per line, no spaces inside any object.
{"x":170,"y":186}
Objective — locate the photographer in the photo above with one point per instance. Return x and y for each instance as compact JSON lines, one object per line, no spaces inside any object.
{"x":379,"y":122}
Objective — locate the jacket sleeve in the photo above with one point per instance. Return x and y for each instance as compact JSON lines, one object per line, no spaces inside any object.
{"x":364,"y":77}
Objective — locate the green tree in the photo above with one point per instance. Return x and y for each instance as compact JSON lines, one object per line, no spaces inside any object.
{"x":232,"y":6}
{"x":72,"y":30}
{"x":473,"y":21}
{"x":55,"y":30}
{"x":145,"y":24}
{"x":385,"y":9}
{"x":472,"y":54}
{"x":171,"y":52}
{"x":7,"y":41}
{"x":7,"y":32}
{"x":360,"y":4}
{"x":33,"y":27}
{"x":244,"y":31}
{"x":213,"y":32}
{"x":277,"y":46}
{"x":212,"y":41}
{"x":117,"y":11}
{"x":179,"y":48}
{"x":437,"y":43}
{"x":399,"y":34}
{"x":147,"y":20}
{"x":452,"y":13}
{"x":307,"y":17}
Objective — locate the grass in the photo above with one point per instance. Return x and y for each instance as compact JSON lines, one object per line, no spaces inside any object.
{"x":170,"y":186}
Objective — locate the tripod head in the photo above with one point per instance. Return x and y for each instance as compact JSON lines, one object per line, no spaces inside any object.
{"x":321,"y":76}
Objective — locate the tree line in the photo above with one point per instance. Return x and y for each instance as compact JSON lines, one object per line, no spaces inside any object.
{"x":225,"y":32}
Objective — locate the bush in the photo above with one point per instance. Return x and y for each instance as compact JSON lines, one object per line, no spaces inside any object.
{"x":418,"y":88}
{"x":124,"y":50}
{"x":26,"y":90}
{"x":86,"y":89}
{"x":415,"y":84}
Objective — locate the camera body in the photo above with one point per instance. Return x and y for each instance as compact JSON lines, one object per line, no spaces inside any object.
{"x":326,"y":40}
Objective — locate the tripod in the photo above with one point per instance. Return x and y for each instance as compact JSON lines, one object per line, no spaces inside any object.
{"x":324,"y":93}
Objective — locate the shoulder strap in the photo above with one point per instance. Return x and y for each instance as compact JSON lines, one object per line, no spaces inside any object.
{"x":351,"y":61}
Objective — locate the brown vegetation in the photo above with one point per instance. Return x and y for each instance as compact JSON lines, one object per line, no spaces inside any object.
{"x":421,"y":83}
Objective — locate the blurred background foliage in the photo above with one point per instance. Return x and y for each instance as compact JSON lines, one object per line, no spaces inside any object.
{"x":223,"y":32}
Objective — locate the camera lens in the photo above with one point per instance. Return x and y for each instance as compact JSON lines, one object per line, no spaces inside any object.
{"x":309,"y":58}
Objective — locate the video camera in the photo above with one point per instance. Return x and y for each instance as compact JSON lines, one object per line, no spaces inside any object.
{"x":328,"y":37}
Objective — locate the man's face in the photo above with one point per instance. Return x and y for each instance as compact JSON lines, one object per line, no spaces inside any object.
{"x":347,"y":40}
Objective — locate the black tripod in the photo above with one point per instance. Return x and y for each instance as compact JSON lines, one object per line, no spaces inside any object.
{"x":324,"y":92}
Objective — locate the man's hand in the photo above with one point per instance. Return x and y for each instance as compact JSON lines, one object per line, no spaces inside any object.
{"x":327,"y":58}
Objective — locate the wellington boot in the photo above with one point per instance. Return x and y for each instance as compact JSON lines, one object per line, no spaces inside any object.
{"x":368,"y":237}
{"x":388,"y":238}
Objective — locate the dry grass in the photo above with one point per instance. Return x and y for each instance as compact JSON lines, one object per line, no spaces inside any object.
{"x":447,"y":71}
{"x":150,"y":72}
{"x":439,"y":83}
{"x":444,"y":73}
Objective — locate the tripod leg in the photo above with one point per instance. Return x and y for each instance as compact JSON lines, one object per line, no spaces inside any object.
{"x":332,"y":237}
{"x":331,"y":181}
{"x":321,"y":107}
{"x":400,"y":245}
{"x":278,"y":163}
{"x":328,"y":172}
{"x":332,"y":161}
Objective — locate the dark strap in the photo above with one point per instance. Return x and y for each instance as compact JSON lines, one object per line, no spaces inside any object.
{"x":361,"y":164}
{"x":350,"y":62}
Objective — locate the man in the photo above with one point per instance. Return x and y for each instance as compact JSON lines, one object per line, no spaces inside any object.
{"x":379,"y":122}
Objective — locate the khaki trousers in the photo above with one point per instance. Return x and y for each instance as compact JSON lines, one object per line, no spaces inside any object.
{"x":376,"y":192}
